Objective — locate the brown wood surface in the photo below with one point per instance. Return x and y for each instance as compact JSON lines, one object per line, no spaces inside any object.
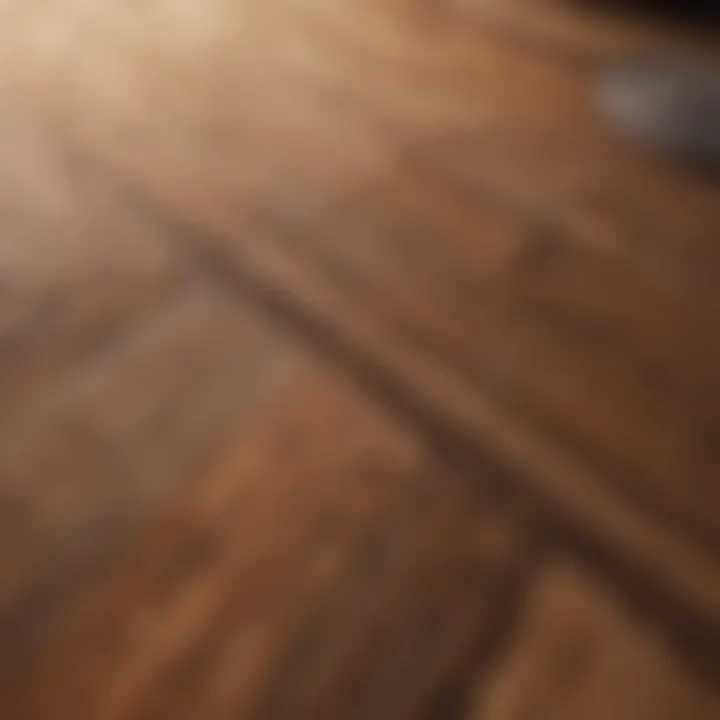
{"x":351,"y":366}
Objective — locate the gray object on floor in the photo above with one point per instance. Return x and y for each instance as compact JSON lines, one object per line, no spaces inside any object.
{"x":671,"y":105}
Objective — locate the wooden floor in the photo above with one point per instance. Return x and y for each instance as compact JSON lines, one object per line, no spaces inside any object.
{"x":351,"y":366}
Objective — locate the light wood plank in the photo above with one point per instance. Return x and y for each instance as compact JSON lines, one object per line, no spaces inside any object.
{"x":578,"y":655}
{"x":105,"y":449}
{"x":79,"y":267}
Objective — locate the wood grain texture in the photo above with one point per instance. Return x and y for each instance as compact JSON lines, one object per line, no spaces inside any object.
{"x":376,"y":163}
{"x":324,"y":566}
{"x":326,"y":329}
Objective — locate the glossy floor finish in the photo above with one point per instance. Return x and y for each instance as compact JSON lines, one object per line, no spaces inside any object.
{"x":351,"y":366}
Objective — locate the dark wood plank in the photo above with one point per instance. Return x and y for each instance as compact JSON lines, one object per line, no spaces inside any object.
{"x":325,"y":565}
{"x":587,"y":32}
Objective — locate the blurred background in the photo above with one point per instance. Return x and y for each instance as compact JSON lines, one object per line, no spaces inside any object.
{"x":359,"y":360}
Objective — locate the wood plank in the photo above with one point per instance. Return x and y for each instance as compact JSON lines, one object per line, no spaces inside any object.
{"x":104,"y":449}
{"x":325,"y":564}
{"x":577,"y":654}
{"x":119,"y":367}
{"x":366,"y":83}
{"x":337,"y":153}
